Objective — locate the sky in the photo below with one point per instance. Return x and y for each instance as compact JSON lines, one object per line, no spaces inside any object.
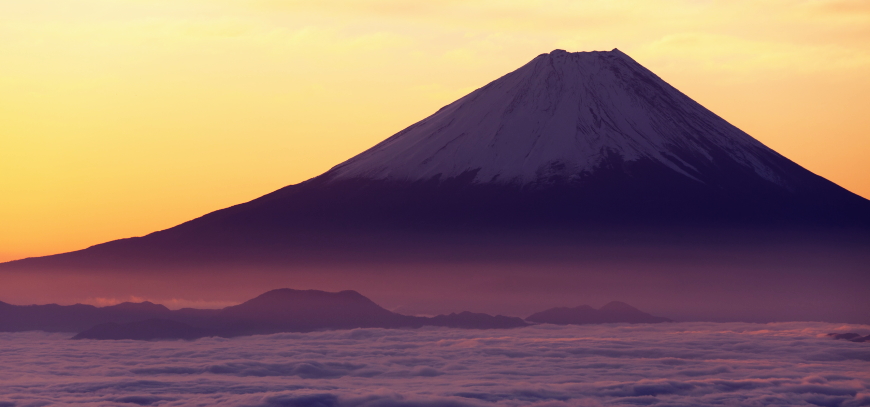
{"x":123,"y":117}
{"x":673,"y":364}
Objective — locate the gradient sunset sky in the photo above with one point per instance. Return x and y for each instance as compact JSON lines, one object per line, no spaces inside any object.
{"x":122,"y":117}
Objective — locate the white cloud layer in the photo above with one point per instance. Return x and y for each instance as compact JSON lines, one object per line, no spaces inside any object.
{"x":678,"y":364}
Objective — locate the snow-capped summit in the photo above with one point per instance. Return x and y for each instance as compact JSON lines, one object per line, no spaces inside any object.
{"x":563,"y":115}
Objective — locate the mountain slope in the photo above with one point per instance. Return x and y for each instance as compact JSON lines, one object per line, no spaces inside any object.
{"x":53,"y":317}
{"x":569,"y":141}
{"x":281,"y":310}
{"x":563,"y":115}
{"x":574,"y":158}
{"x":599,"y":133}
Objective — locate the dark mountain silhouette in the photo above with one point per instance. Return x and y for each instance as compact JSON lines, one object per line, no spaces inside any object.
{"x":74,"y":318}
{"x":568,"y":142}
{"x":613,"y":312}
{"x":287,"y":310}
{"x":309,"y":310}
{"x":281,"y":310}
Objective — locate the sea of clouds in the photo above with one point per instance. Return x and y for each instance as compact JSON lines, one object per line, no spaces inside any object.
{"x":672,"y":364}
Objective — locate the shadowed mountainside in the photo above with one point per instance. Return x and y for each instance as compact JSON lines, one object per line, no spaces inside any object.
{"x":73,"y":318}
{"x":568,"y":143}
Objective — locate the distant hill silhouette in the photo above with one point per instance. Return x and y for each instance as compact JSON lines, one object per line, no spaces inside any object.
{"x":281,"y":310}
{"x":286,"y":310}
{"x":74,"y":318}
{"x":613,"y":312}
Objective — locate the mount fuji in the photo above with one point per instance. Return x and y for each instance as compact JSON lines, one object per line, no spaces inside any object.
{"x":573,"y":137}
{"x":568,"y":152}
{"x":563,"y":117}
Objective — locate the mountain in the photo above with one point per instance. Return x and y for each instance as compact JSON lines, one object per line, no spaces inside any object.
{"x":281,"y":310}
{"x":585,"y":159}
{"x":287,"y":310}
{"x":580,"y":119}
{"x":74,"y":318}
{"x":612,"y":312}
{"x":567,"y":141}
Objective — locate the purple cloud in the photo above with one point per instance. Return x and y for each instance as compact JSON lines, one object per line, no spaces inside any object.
{"x":544,"y":366}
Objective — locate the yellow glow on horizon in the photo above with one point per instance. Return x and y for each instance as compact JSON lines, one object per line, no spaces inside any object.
{"x":122,"y":117}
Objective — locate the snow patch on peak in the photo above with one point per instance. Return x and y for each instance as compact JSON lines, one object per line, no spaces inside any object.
{"x":564,"y":113}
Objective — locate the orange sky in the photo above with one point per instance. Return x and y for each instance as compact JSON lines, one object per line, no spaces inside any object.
{"x":122,"y":117}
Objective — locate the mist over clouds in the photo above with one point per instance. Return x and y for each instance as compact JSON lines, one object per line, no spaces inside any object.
{"x":663,"y":364}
